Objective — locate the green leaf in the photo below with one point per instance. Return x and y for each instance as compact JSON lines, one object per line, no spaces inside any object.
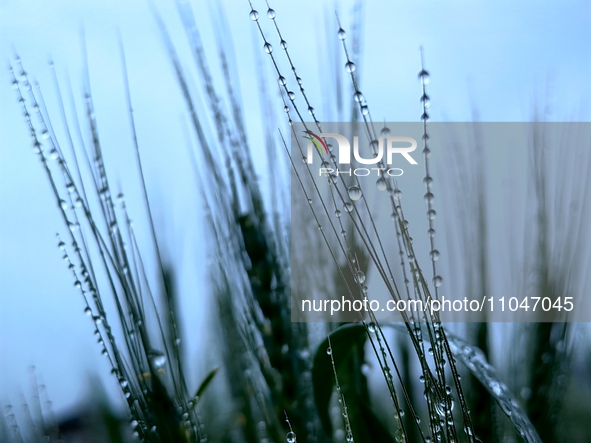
{"x":370,"y":428}
{"x":203,"y":386}
{"x":364,"y":423}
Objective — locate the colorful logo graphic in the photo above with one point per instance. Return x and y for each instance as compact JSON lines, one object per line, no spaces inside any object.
{"x":317,"y":141}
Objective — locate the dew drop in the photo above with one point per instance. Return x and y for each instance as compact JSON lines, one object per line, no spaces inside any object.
{"x":360,"y":277}
{"x":342,"y":34}
{"x":283,"y":44}
{"x":431,"y":214}
{"x":329,"y":350}
{"x":438,"y":281}
{"x":428,"y":181}
{"x":268,"y":48}
{"x":397,"y":194}
{"x":349,"y":437}
{"x":350,"y":66}
{"x":271,"y":13}
{"x":282,"y":81}
{"x":424,"y":76}
{"x":291,"y":437}
{"x":291,"y":95}
{"x":434,"y":255}
{"x":381,"y":184}
{"x":429,"y":197}
{"x":425,"y":100}
{"x":371,"y":327}
{"x":158,"y":359}
{"x":348,"y":206}
{"x":358,"y":96}
{"x":337,"y":213}
{"x":354,"y":192}
{"x":254,"y":15}
{"x":364,"y":110}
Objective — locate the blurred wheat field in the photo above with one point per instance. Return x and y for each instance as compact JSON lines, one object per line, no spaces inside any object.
{"x":198,"y":337}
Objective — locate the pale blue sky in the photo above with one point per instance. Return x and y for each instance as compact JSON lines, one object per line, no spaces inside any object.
{"x":497,"y":56}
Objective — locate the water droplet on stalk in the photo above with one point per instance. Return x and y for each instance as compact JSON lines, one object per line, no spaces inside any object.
{"x":350,"y":66}
{"x":158,"y":359}
{"x":354,"y":193}
{"x":271,"y":13}
{"x":381,"y":184}
{"x":424,"y":76}
{"x":254,"y":15}
{"x":342,"y":34}
{"x":360,"y":277}
{"x":425,"y":100}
